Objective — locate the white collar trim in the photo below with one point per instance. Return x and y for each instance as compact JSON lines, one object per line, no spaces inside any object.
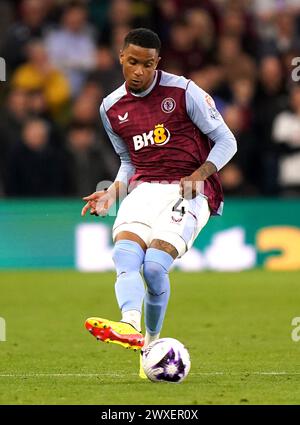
{"x":149,"y":89}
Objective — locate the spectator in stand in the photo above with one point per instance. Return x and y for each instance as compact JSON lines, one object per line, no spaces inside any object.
{"x":35,"y":168}
{"x":242,"y":167}
{"x":39,"y":74}
{"x":86,"y":158}
{"x":210,"y":78}
{"x":283,"y":36}
{"x":203,"y":32}
{"x":286,"y":133}
{"x":242,"y":91}
{"x":209,"y":5}
{"x":265,"y":13}
{"x":270,"y":99}
{"x":6,"y":18}
{"x":38,"y":108}
{"x":98,"y":12}
{"x":72,"y":47}
{"x":85,"y":113}
{"x":93,"y":91}
{"x":13,"y":115}
{"x":166,"y":12}
{"x":235,"y":62}
{"x":30,"y":25}
{"x":266,"y":10}
{"x":237,"y":22}
{"x":37,"y":105}
{"x":233,"y":181}
{"x":130,"y":13}
{"x":107,"y":73}
{"x":239,"y":51}
{"x":181,"y":52}
{"x":117,"y":37}
{"x":120,"y":14}
{"x":85,"y":110}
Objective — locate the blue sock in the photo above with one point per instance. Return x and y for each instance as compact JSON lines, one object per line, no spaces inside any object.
{"x":128,"y":257}
{"x":156,"y":267}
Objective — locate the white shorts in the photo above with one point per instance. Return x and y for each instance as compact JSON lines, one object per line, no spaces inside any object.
{"x":148,"y":211}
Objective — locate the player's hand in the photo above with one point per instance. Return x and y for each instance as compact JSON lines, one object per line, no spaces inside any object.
{"x":190,"y":186}
{"x":98,"y":203}
{"x":193,"y":185}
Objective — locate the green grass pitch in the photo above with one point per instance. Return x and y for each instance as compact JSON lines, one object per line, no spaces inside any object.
{"x":237,"y":327}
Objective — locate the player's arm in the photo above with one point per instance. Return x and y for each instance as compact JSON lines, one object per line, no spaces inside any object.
{"x":202,"y":111}
{"x":100,"y":201}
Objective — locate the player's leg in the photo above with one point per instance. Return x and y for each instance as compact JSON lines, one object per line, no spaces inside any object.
{"x":173,"y":235}
{"x":175,"y":231}
{"x":130,"y":236}
{"x":128,"y":256}
{"x":158,"y":260}
{"x":132,"y":233}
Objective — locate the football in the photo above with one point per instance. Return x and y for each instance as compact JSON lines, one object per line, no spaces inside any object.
{"x":166,"y":359}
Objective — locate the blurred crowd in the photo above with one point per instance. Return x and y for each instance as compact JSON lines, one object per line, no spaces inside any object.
{"x":62,"y":58}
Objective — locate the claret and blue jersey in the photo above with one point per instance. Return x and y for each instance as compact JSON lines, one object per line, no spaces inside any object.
{"x":166,"y":133}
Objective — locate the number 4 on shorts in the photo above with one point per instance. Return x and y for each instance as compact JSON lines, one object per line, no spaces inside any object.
{"x":175,"y":207}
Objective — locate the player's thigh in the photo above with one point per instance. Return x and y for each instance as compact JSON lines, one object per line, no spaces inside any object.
{"x":130,"y":236}
{"x":164,"y":246}
{"x":138,"y":212}
{"x":181,"y":222}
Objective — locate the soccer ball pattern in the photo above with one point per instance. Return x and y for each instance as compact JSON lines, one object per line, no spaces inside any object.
{"x":166,"y":359}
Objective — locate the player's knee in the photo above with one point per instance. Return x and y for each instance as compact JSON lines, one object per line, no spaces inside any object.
{"x":156,"y":277}
{"x":153,"y":271}
{"x":128,"y":256}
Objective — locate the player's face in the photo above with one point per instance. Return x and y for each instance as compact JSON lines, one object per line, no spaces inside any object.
{"x":139,"y":65}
